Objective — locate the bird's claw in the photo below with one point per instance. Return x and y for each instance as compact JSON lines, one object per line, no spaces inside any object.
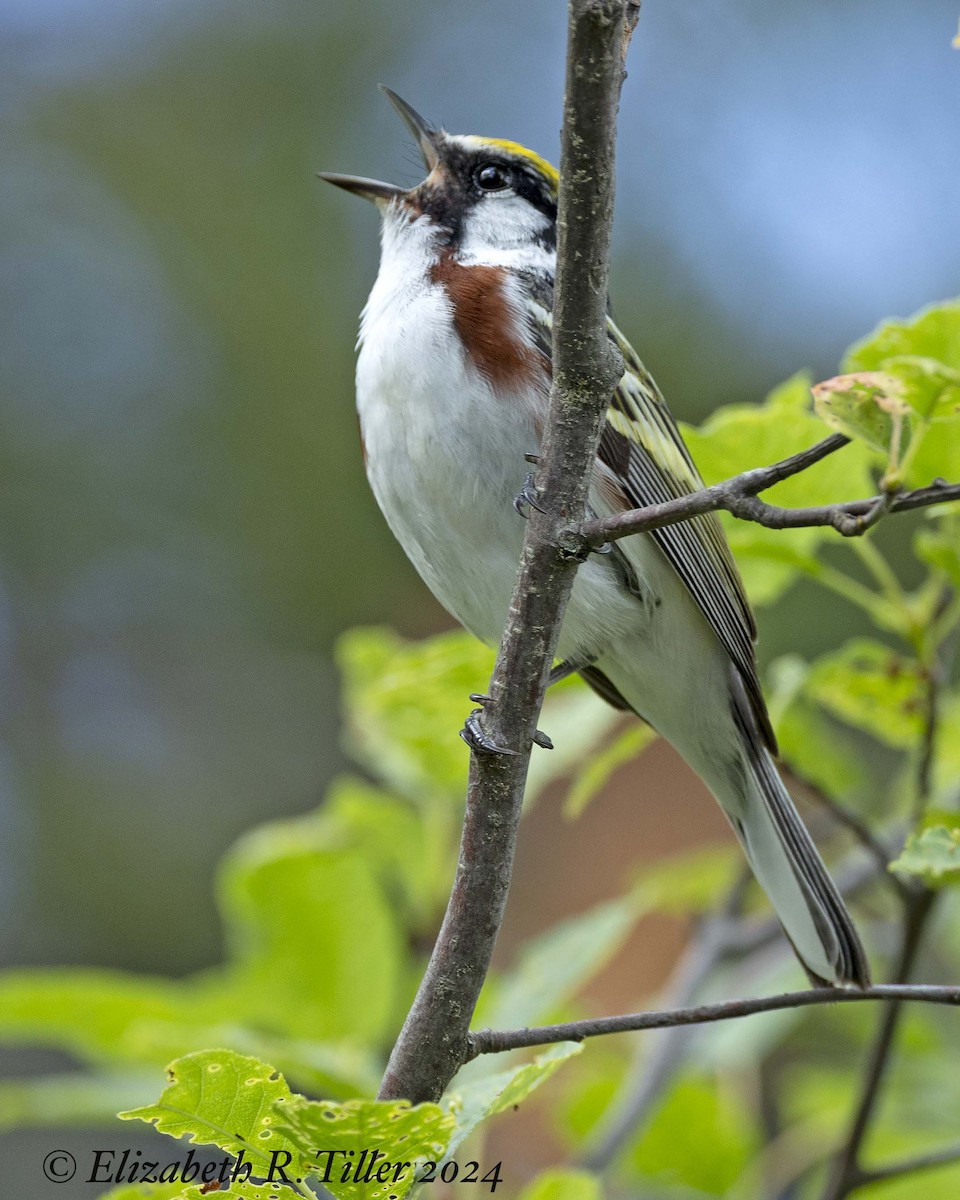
{"x":528,"y":497}
{"x":478,"y":741}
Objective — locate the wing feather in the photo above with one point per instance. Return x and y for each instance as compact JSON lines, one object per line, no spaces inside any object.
{"x":641,"y":446}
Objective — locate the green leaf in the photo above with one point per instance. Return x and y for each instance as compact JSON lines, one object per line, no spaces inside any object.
{"x":69,"y":1099}
{"x":932,"y":333}
{"x":239,"y":1190}
{"x":219,"y":1098}
{"x":337,"y":1069}
{"x":406,"y":702}
{"x":560,"y":1184}
{"x":932,"y":855}
{"x":865,"y":405}
{"x":148,"y":1191}
{"x":598,"y":768}
{"x":810,"y":744}
{"x":701,"y":1137}
{"x":938,"y":456}
{"x":940,"y":548}
{"x":739,"y":437}
{"x":92,"y":1013}
{"x":484,"y":1097}
{"x":770,"y":562}
{"x":930,"y":388}
{"x":552,"y":967}
{"x":923,"y":352}
{"x":410,"y":850}
{"x":873,"y":688}
{"x":402,"y":1134}
{"x":313,"y":936}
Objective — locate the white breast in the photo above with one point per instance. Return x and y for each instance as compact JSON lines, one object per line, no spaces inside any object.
{"x":445,"y":454}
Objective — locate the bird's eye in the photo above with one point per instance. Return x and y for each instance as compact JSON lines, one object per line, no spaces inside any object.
{"x":490,"y":178}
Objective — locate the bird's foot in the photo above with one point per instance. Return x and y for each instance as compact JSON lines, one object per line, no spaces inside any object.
{"x":528,"y":497}
{"x":479,"y":740}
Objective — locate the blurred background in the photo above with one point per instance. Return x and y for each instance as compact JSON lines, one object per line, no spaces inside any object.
{"x":184,"y":522}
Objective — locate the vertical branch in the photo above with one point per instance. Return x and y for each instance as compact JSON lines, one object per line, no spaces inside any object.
{"x":432,"y":1044}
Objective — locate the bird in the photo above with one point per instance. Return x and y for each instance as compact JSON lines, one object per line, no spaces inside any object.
{"x":452,"y":384}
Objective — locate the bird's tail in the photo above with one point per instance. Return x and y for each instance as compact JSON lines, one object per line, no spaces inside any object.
{"x":790,"y":870}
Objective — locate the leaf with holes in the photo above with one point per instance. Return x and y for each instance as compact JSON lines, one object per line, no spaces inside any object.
{"x":149,"y":1191}
{"x":240,"y":1189}
{"x":393,"y":1136}
{"x":219,"y":1098}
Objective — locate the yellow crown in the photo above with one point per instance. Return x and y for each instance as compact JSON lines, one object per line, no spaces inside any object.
{"x":546,"y":169}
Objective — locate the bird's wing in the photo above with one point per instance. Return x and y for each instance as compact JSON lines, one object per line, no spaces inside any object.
{"x":642,"y":450}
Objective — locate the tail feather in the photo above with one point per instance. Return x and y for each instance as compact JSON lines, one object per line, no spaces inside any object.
{"x":792,"y":873}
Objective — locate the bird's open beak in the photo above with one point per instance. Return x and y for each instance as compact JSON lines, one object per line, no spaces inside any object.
{"x":428,"y":139}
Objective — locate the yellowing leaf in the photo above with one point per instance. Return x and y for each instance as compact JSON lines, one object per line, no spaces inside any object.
{"x":867,"y":405}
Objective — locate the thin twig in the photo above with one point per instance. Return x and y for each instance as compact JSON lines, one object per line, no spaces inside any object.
{"x":739,"y":495}
{"x":433,"y":1042}
{"x":706,"y":950}
{"x":721,"y":939}
{"x":910,"y":1166}
{"x":495,"y":1041}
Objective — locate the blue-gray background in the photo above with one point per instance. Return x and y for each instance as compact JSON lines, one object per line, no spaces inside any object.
{"x":184,"y":524}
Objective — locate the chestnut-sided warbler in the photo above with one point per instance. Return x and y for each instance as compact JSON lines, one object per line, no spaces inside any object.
{"x":453,"y":379}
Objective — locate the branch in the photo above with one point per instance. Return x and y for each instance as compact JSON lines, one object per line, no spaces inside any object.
{"x":706,"y":950}
{"x":434,"y":1040}
{"x":907,"y":1166}
{"x":495,"y":1041}
{"x":739,"y":495}
{"x":722,"y":938}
